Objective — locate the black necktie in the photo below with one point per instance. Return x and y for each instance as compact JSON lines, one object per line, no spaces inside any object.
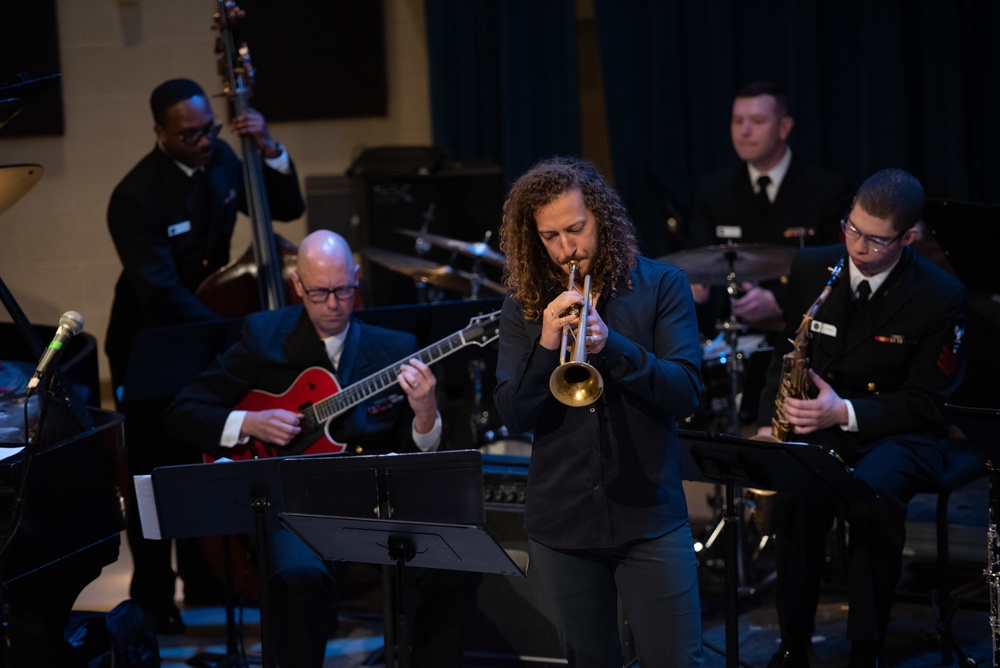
{"x":863,"y":293}
{"x":763,"y":202}
{"x":200,"y":189}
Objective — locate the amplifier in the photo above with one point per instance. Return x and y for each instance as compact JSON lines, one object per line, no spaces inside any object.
{"x":505,"y":481}
{"x":512,"y":622}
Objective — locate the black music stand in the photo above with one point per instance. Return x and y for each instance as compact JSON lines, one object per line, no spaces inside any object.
{"x":244,"y":496}
{"x":793,"y":468}
{"x":403,"y":507}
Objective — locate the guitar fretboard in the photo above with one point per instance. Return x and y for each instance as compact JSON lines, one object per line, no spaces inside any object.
{"x":354,"y":394}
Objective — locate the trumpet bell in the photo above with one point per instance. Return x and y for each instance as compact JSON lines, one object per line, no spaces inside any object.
{"x":576,"y":384}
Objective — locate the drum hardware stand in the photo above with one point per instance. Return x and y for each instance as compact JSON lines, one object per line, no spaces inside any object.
{"x":427,"y":294}
{"x":480,"y":418}
{"x":475,"y":270}
{"x":726,"y":517}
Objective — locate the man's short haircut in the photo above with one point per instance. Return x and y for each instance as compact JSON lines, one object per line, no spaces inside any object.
{"x":169,"y":93}
{"x":893,"y":194}
{"x":755,"y":88}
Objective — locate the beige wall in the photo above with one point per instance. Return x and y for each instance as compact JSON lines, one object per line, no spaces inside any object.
{"x":55,"y":251}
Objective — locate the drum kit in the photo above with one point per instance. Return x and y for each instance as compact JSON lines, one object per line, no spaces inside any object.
{"x":724,"y":361}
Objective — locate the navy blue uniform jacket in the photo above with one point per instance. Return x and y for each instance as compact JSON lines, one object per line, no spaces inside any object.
{"x":274,"y":348}
{"x":898,"y":360}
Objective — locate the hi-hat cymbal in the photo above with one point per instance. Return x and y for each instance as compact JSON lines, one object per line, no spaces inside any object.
{"x":430,"y":272}
{"x":471,"y":249}
{"x":15,"y":181}
{"x":712,"y":265}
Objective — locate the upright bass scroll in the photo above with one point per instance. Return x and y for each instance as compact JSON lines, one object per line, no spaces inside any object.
{"x":273,"y":257}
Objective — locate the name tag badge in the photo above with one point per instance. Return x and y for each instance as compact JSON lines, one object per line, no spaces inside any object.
{"x":729,"y":231}
{"x":179,"y":228}
{"x":823,"y":328}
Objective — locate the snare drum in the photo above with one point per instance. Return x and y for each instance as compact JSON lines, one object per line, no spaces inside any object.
{"x":502,"y":442}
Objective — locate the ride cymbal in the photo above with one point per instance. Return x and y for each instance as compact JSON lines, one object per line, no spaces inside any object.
{"x":712,"y":265}
{"x":471,"y":249}
{"x":430,"y":272}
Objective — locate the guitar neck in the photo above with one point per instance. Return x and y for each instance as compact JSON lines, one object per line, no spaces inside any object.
{"x":355,"y":393}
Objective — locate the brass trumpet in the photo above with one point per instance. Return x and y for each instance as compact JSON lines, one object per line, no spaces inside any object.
{"x":574,"y":382}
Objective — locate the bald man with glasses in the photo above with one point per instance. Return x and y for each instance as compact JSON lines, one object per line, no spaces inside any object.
{"x":885,"y":354}
{"x":275,"y":347}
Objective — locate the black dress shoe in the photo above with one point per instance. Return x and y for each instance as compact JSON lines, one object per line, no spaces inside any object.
{"x":789,"y":659}
{"x":168,"y":621}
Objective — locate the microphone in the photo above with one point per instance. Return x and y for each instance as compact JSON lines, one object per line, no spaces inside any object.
{"x":70,"y":324}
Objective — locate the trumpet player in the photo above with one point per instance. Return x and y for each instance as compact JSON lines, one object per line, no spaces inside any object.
{"x":885,"y":354}
{"x":605,"y":512}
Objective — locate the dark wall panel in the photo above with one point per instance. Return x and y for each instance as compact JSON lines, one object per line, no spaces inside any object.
{"x":316,"y":58}
{"x":29,"y":45}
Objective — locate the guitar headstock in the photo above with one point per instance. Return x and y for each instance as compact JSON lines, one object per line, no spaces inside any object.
{"x":482,"y":329}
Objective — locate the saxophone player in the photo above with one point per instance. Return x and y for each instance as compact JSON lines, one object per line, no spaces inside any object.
{"x":885,"y":354}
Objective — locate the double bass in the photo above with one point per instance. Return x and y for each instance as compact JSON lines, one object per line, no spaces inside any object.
{"x":260,"y":279}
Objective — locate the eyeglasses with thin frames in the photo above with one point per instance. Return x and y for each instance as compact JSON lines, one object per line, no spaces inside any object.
{"x":877,"y":244}
{"x":193,"y":136}
{"x":342,"y":293}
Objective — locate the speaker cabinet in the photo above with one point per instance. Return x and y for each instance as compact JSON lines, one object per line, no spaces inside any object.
{"x":512,"y":622}
{"x":331,"y":205}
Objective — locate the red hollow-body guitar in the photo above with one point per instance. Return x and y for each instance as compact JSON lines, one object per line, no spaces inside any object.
{"x":319,"y":398}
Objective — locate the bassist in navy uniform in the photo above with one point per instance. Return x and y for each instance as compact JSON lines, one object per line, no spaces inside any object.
{"x":171,"y":219}
{"x":274,"y":349}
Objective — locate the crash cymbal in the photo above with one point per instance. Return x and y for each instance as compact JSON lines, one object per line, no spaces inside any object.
{"x":712,"y":265}
{"x":430,"y":272}
{"x":15,"y":181}
{"x":471,"y":249}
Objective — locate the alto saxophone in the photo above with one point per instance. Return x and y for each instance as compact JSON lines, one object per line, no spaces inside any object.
{"x":795,"y":364}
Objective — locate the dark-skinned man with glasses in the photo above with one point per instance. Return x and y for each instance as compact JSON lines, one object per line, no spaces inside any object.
{"x":885,"y":354}
{"x":275,"y":347}
{"x":171,"y":219}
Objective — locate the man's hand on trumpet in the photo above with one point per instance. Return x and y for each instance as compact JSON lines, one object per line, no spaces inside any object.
{"x":562,"y":311}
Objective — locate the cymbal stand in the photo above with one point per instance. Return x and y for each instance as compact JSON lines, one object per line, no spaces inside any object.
{"x":732,"y":328}
{"x":480,"y":418}
{"x":427,"y":293}
{"x":476,"y":270}
{"x":728,"y":508}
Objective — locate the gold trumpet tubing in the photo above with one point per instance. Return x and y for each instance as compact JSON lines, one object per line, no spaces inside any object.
{"x":571,"y":311}
{"x":575,"y":382}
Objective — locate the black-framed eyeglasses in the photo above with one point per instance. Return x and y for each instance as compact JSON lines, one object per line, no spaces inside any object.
{"x":877,"y":244}
{"x":343,"y":293}
{"x":193,"y":136}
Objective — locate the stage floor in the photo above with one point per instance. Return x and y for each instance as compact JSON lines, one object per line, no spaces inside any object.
{"x":911,"y":640}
